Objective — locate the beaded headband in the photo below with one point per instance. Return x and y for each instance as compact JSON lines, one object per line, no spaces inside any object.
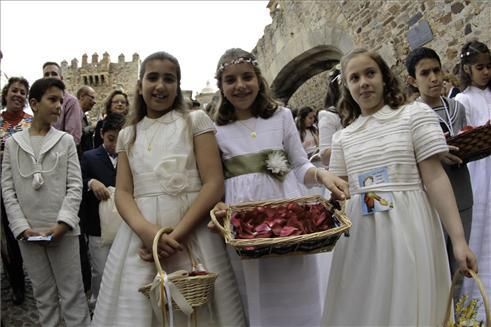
{"x":240,"y":60}
{"x":465,"y":54}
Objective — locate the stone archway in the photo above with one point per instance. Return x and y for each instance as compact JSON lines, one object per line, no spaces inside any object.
{"x":302,"y":55}
{"x":302,"y":68}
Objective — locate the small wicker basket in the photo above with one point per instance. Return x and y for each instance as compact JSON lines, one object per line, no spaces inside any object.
{"x":197,"y":290}
{"x":449,"y":320}
{"x":474,"y":144}
{"x":323,"y":241}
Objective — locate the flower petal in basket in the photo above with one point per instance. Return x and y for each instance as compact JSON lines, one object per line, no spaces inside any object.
{"x":474,"y":144}
{"x":282,"y":227}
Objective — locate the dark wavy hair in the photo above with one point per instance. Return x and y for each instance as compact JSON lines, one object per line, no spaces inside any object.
{"x":393,"y":95}
{"x":300,"y":122}
{"x":468,"y":56}
{"x":109,"y":99}
{"x":264,"y":106}
{"x":139,"y":109}
{"x":7,"y":86}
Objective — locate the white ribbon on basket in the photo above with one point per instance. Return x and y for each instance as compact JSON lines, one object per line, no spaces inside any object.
{"x":172,"y":293}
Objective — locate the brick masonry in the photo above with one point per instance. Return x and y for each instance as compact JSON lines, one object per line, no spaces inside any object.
{"x":340,"y":25}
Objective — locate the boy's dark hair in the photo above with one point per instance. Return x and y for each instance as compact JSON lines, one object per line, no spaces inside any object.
{"x":113,"y":122}
{"x":49,"y":63}
{"x":417,"y":55}
{"x":39,"y":88}
{"x":7,"y":86}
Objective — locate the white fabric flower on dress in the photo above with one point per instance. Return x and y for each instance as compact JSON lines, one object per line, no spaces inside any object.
{"x":277,"y":164}
{"x":171,"y":174}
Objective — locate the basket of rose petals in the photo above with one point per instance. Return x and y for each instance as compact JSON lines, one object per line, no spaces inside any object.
{"x":474,"y":143}
{"x":304,"y":225}
{"x":181,"y":290}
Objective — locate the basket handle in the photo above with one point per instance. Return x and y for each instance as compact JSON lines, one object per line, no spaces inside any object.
{"x":482,"y":290}
{"x":158,"y":264}
{"x":215,"y":220}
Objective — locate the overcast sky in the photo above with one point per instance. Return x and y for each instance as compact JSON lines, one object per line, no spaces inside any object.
{"x":196,"y":32}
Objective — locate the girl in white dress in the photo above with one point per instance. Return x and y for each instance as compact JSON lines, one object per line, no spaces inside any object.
{"x":393,"y":268}
{"x":309,"y":135}
{"x":169,"y":175}
{"x":475,"y":75}
{"x":329,"y":120}
{"x":278,"y":291}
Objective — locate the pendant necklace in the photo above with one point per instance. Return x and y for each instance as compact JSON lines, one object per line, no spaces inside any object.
{"x":253,"y":133}
{"x":150,"y":141}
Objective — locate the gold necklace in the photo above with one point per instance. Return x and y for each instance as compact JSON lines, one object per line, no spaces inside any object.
{"x":149,"y":142}
{"x":253,"y":133}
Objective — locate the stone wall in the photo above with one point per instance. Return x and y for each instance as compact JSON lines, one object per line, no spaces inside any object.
{"x":103,"y":76}
{"x":340,"y":25}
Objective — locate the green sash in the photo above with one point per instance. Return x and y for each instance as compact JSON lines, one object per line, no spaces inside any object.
{"x":254,"y":163}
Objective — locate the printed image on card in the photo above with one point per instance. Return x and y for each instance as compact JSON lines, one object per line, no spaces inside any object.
{"x":375,"y":201}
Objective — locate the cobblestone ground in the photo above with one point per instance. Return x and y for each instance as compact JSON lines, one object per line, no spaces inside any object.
{"x":24,"y":315}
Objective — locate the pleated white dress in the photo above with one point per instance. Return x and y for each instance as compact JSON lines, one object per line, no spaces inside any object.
{"x":477,"y":104}
{"x":276,"y":291}
{"x":392,"y":270}
{"x":166,"y":181}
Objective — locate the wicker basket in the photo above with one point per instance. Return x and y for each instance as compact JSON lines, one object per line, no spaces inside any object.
{"x":292,"y":245}
{"x":197,"y":290}
{"x":474,"y":144}
{"x":449,"y":320}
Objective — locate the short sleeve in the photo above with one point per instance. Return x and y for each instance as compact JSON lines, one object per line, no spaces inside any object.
{"x":201,"y":123}
{"x":337,"y":164}
{"x":427,"y":135}
{"x":329,"y":123}
{"x":124,"y":139}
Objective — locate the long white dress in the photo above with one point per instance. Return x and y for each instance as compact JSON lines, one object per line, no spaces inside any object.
{"x":166,"y":181}
{"x":329,"y":123}
{"x":477,"y":104}
{"x":393,"y":269}
{"x":276,"y":291}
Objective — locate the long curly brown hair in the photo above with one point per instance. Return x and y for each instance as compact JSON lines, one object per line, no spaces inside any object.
{"x":394,"y":97}
{"x":264,"y":106}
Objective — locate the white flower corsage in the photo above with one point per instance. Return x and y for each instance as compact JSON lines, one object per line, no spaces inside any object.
{"x":170,"y":172}
{"x":277,"y":164}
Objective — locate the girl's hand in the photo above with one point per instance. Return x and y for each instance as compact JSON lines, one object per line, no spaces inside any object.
{"x":101,"y":192}
{"x":338,"y":186}
{"x":449,"y":158}
{"x":145,"y":254}
{"x":465,"y":257}
{"x":220,"y":215}
{"x":167,"y":244}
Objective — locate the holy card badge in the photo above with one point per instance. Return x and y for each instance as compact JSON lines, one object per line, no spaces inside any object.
{"x":373,"y":200}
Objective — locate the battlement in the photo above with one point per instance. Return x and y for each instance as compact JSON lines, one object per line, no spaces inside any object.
{"x":102,"y":75}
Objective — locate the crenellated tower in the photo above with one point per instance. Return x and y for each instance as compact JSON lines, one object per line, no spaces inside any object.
{"x":103,"y":76}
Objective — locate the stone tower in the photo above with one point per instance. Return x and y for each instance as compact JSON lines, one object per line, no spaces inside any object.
{"x":103,"y":76}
